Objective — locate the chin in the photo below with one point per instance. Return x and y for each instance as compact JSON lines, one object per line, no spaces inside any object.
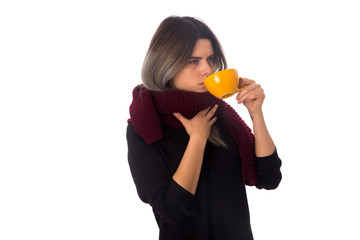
{"x":202,"y":91}
{"x":201,"y":88}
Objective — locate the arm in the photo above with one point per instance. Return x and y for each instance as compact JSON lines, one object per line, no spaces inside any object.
{"x":268,"y":171}
{"x":267,"y":161}
{"x":188,"y":173}
{"x":169,"y":196}
{"x":252,"y":96}
{"x":264,"y":145}
{"x":153,"y":181}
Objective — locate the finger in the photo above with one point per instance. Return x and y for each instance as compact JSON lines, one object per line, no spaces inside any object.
{"x":212,"y":111}
{"x":245,"y":81}
{"x":204,"y":111}
{"x":181,"y":118}
{"x":248,"y":89}
{"x":244,"y":97}
{"x":212,"y":121}
{"x":253,"y":96}
{"x":251,"y":87}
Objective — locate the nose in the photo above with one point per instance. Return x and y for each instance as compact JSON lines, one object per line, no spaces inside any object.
{"x":206,"y":69}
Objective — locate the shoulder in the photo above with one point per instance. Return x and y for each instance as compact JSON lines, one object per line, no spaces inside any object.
{"x":131,"y":132}
{"x":130,"y":128}
{"x":136,"y":141}
{"x":133,"y":137}
{"x":138,"y":149}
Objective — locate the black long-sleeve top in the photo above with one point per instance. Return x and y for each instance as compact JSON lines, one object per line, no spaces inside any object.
{"x":219,"y":208}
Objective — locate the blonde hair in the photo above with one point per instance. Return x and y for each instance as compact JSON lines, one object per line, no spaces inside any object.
{"x":170,"y":50}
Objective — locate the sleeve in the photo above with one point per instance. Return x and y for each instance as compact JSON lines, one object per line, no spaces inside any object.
{"x":153,"y":179}
{"x":268,"y":171}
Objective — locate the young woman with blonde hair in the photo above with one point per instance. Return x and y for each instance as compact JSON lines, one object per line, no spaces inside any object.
{"x":190,"y":154}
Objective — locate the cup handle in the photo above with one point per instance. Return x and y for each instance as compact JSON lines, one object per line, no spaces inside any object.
{"x":239,"y":90}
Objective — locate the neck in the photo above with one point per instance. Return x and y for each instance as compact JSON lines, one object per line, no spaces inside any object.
{"x":186,"y":103}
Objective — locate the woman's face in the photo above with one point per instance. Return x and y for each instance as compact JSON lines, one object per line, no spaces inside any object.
{"x":200,"y":65}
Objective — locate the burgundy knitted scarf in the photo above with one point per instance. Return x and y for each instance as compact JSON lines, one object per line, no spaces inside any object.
{"x":150,"y":109}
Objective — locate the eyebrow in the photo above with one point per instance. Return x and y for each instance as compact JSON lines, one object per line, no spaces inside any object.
{"x":193,"y":57}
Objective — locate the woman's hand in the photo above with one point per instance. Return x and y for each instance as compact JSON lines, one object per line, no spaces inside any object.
{"x":188,"y":173}
{"x":252,"y":95}
{"x":200,"y":125}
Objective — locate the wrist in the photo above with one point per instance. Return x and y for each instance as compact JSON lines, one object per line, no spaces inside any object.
{"x":198,"y":139}
{"x":256,"y":115}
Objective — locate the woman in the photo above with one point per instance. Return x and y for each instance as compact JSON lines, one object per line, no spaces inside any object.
{"x":190,"y":154}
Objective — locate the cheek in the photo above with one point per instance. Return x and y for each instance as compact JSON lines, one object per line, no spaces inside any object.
{"x":183,"y":79}
{"x":179,"y":80}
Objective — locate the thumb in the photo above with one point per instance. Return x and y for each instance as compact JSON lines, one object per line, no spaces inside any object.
{"x":180,"y":117}
{"x":242,"y":82}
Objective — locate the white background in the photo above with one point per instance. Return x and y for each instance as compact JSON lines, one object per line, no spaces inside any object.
{"x":67,"y":69}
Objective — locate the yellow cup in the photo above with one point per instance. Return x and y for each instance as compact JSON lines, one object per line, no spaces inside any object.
{"x":223,"y":84}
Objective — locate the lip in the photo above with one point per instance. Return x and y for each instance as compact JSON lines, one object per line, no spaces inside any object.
{"x":202,"y":86}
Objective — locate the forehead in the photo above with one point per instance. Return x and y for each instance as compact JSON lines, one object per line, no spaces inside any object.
{"x":202,"y":47}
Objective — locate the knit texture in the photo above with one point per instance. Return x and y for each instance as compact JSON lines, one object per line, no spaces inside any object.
{"x":150,"y":109}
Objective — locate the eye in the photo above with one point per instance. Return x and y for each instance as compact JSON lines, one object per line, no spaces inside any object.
{"x":193,"y":61}
{"x":211,"y":59}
